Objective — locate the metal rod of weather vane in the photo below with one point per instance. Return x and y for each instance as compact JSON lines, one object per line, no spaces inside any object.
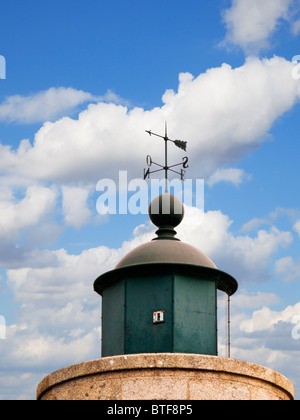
{"x":166,"y":165}
{"x":228,"y":328}
{"x":166,"y":158}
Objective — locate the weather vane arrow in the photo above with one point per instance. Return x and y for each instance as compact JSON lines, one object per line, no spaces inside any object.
{"x":179,"y":143}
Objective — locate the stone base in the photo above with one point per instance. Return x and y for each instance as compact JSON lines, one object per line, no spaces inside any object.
{"x":165,"y":376}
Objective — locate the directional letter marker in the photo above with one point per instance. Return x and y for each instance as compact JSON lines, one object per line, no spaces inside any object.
{"x":179,"y":143}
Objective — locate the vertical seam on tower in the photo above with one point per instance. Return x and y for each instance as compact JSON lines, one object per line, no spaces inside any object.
{"x":173,"y":310}
{"x":125,"y":316}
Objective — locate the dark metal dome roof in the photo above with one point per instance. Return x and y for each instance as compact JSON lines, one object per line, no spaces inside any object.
{"x":166,"y":251}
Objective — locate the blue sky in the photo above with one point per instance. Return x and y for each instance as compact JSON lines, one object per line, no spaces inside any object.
{"x":83,"y":82}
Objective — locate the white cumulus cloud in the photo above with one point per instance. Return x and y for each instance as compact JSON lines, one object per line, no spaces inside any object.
{"x":42,"y":106}
{"x":288,"y":268}
{"x":74,"y":205}
{"x":245,"y":257}
{"x":266,"y":319}
{"x":232,"y":175}
{"x":251,"y":23}
{"x":17,"y":214}
{"x":297,"y":227}
{"x":223,"y":114}
{"x":61,"y":292}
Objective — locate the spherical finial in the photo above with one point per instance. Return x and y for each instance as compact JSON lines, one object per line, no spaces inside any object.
{"x":166,"y":212}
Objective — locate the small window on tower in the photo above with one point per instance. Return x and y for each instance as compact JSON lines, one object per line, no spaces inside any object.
{"x":158,"y":317}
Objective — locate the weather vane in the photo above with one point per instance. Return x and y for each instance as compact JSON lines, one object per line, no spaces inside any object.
{"x":179,"y":143}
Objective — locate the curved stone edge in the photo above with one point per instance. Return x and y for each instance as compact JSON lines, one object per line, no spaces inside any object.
{"x":166,"y":361}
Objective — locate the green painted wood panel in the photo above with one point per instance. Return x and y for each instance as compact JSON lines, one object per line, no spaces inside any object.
{"x":113,"y":319}
{"x":195,"y":315}
{"x":144,"y":296}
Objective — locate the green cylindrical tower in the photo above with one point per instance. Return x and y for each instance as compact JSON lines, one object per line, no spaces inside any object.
{"x":162,"y":296}
{"x":159,"y":304}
